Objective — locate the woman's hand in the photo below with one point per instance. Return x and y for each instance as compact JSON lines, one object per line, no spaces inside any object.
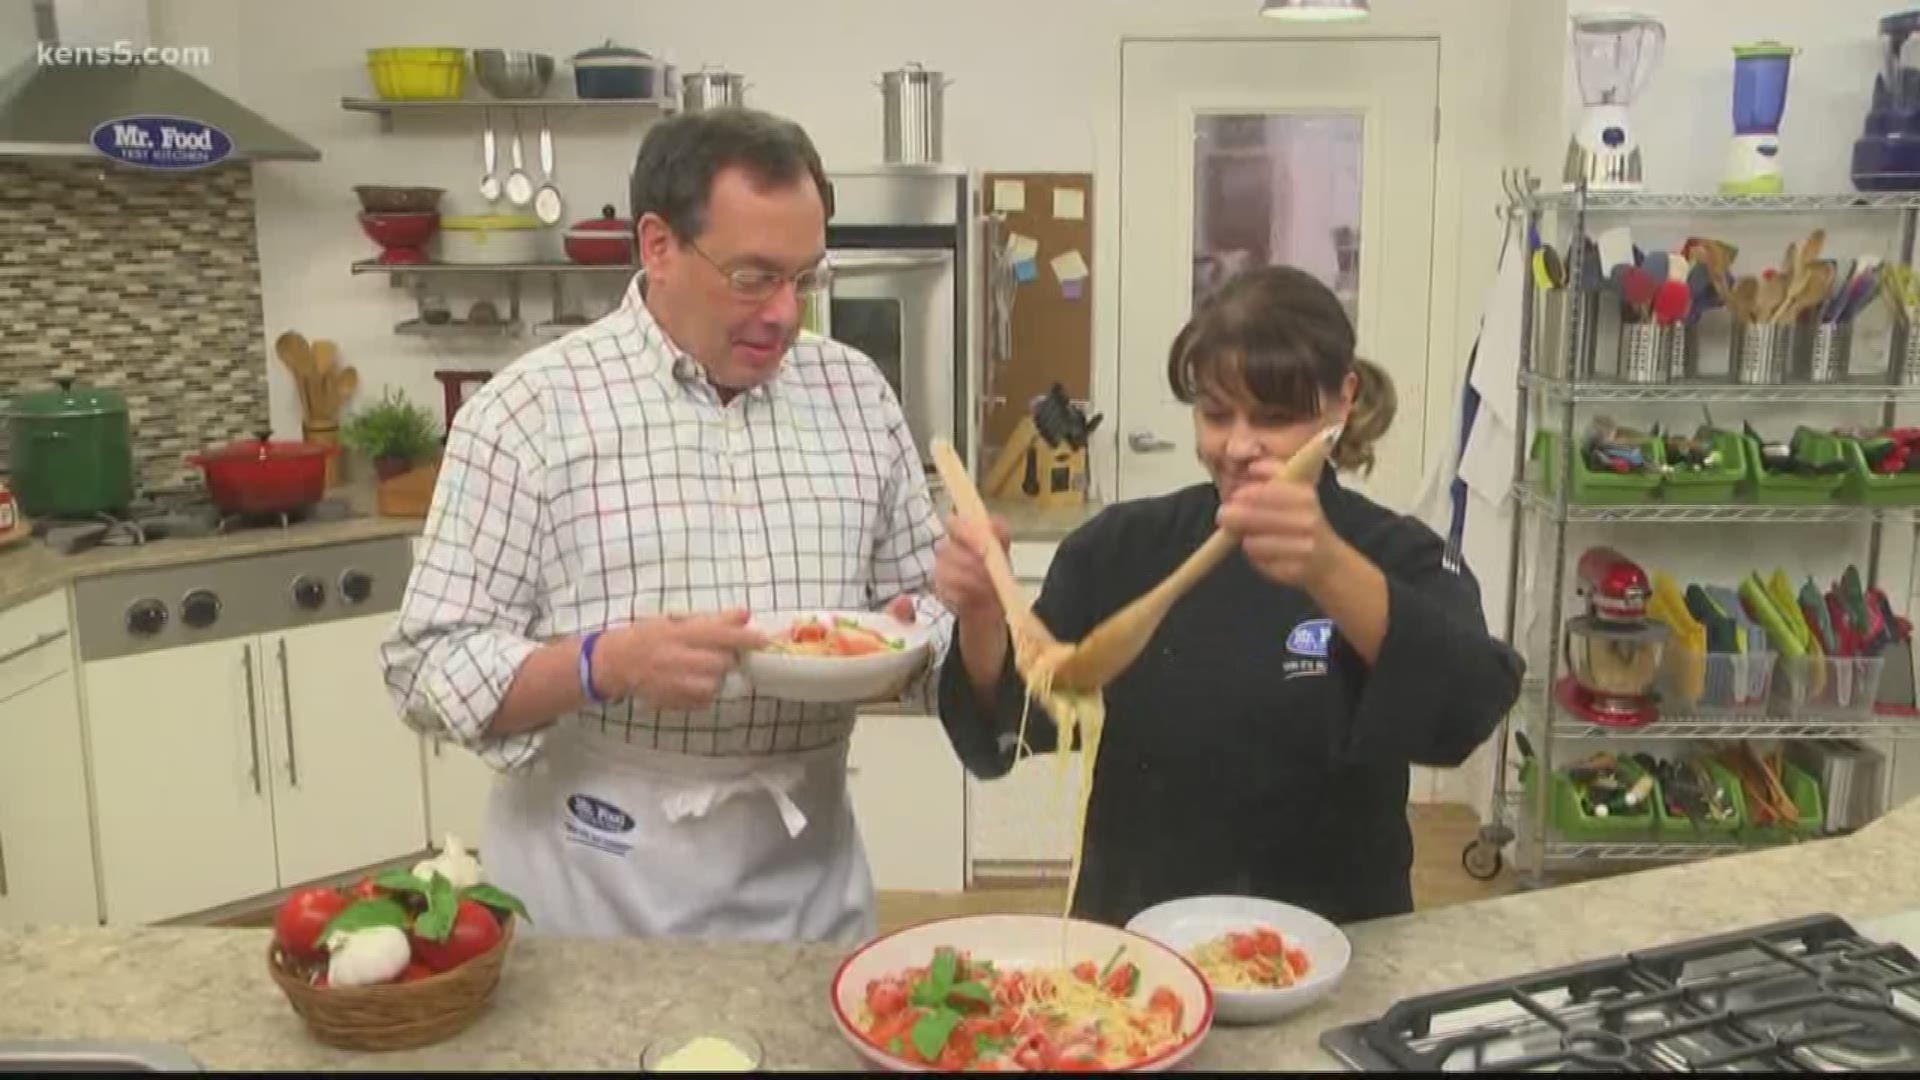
{"x":1281,"y":528}
{"x":960,"y":577}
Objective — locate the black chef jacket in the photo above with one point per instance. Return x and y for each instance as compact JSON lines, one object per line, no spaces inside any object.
{"x":1250,"y":751}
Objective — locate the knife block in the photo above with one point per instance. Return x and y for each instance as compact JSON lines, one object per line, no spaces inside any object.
{"x":1062,"y":474}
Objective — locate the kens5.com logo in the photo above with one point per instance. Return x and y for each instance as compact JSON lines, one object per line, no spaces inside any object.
{"x":124,"y":53}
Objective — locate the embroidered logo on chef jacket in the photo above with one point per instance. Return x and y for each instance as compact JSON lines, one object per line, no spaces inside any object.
{"x":597,"y":824}
{"x":1308,"y":643}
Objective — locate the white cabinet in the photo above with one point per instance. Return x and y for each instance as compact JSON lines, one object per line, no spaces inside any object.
{"x":346,"y":791}
{"x":234,"y":768}
{"x":46,"y":846}
{"x":458,"y":784}
{"x":909,"y":800}
{"x":182,"y":779}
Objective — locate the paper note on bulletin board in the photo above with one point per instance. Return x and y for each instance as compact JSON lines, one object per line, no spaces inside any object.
{"x":1048,"y":229}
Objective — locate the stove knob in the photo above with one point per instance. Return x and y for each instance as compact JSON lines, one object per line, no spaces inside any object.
{"x":356,"y":586}
{"x":146,"y":617}
{"x":199,"y":609}
{"x":308,"y":592}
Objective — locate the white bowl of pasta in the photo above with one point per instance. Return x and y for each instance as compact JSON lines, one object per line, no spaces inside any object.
{"x":988,"y":993}
{"x":1263,"y":959}
{"x":834,"y":656}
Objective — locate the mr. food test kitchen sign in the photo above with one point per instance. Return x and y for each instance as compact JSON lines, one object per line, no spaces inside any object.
{"x":162,"y":142}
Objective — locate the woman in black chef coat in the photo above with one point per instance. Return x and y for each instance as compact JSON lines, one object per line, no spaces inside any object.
{"x":1260,"y":745}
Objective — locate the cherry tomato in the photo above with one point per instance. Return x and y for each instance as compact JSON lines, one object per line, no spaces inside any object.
{"x":812,"y":631}
{"x":298,"y":923}
{"x":1122,"y":981}
{"x":1036,"y":1053}
{"x":1268,"y":942}
{"x":416,"y":971}
{"x":365,"y":889}
{"x":885,"y":998}
{"x":1164,"y":1000}
{"x":1297,"y":960}
{"x":475,"y":931}
{"x":1244,"y":947}
{"x":1086,"y":972}
{"x":897,"y":1026}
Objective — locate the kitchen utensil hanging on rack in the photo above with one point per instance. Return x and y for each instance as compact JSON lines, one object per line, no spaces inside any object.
{"x":546,"y":202}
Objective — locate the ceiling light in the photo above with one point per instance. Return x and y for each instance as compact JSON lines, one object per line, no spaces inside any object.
{"x":1315,"y":10}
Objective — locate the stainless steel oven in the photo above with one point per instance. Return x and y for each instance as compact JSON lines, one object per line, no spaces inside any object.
{"x":897,"y":241}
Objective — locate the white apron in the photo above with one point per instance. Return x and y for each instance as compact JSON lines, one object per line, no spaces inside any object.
{"x":604,"y":839}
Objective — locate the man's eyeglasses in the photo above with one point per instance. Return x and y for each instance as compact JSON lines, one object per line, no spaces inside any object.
{"x":753,"y":283}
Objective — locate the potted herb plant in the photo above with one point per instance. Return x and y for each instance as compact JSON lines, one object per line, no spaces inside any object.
{"x":394,"y":432}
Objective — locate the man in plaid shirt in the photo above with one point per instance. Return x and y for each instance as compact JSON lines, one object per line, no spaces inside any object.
{"x":611,"y":509}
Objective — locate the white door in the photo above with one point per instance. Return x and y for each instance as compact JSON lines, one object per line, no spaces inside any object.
{"x":182,"y":784}
{"x":347,"y":790}
{"x":1317,"y":154}
{"x":46,"y":848}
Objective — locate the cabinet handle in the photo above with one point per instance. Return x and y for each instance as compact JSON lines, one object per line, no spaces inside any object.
{"x":3,"y":866}
{"x":286,"y":699}
{"x":42,"y":641}
{"x":253,"y":722}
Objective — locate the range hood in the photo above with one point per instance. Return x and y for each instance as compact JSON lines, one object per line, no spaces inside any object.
{"x":52,"y":109}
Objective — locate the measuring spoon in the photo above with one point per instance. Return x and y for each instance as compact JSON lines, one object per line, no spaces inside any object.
{"x":546,"y":202}
{"x":489,"y":180}
{"x":519,"y":184}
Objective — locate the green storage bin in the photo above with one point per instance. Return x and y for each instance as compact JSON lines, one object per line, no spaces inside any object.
{"x":1681,"y":828}
{"x":1805,"y":792}
{"x":1592,"y":488}
{"x":1569,"y":821}
{"x":1864,"y":486}
{"x":1720,"y":484}
{"x":1772,"y":490}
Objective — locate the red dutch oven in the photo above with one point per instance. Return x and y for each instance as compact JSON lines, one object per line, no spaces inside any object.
{"x":606,"y":241}
{"x":263,"y":476}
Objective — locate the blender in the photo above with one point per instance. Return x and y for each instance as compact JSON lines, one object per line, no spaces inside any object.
{"x":1759,"y":102}
{"x":1886,"y":157}
{"x":1614,"y":54}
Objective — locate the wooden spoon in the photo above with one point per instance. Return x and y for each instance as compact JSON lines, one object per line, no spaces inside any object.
{"x":1030,"y":636}
{"x":1745,"y":300}
{"x":1111,"y":647}
{"x":297,"y":355}
{"x":326,"y":361}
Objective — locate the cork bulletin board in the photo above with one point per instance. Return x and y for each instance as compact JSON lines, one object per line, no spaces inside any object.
{"x":1046,"y":232}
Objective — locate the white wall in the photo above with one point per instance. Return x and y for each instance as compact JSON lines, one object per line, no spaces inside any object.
{"x":16,"y":33}
{"x":1060,"y":112}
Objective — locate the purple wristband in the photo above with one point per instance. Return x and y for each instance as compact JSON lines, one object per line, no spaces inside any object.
{"x":586,"y":668}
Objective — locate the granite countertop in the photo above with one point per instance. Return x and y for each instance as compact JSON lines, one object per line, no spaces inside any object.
{"x":594,"y":1005}
{"x":31,"y":568}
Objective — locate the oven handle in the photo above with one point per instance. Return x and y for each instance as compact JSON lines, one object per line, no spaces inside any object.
{"x":865,"y":265}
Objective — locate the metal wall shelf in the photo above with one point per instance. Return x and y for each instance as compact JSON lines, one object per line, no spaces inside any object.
{"x":1556,"y":390}
{"x":1537,"y":501}
{"x":1746,"y":727}
{"x":386,"y":109}
{"x":457,"y":329}
{"x":1839,"y":202}
{"x":374,"y":266}
{"x":1577,"y":851}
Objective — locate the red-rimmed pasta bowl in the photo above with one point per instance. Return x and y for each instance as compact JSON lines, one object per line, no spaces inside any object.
{"x":1242,"y":944}
{"x":835,"y":656}
{"x":961,"y":994}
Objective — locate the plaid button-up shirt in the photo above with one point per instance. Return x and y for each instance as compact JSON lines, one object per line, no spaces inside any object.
{"x":599,"y":480}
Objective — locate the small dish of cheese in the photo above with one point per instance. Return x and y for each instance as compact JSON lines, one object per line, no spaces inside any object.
{"x":708,"y":1050}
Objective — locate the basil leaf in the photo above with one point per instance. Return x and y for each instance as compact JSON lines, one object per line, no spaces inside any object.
{"x":436,"y":923}
{"x":926,"y":995}
{"x":1112,"y":960}
{"x":400,"y":881}
{"x":945,"y":964}
{"x":496,"y":898}
{"x":365,"y":915}
{"x":972,"y":991}
{"x":895,"y":1046}
{"x":931,"y":1032}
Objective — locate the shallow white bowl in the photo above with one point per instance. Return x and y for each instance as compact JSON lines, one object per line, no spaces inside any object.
{"x":1018,"y":941}
{"x":1183,"y":925}
{"x":835,"y":678}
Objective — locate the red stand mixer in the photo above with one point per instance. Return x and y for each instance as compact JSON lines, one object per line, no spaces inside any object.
{"x":1614,"y":651}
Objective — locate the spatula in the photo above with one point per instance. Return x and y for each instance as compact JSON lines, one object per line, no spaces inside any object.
{"x":1111,"y":647}
{"x":293,"y":351}
{"x":1030,"y":636}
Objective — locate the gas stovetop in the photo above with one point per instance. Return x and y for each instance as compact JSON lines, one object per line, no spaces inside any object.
{"x":1810,"y":995}
{"x":170,"y":514}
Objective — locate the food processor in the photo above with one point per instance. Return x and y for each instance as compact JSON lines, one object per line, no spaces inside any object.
{"x":1614,"y":651}
{"x":1614,"y":53}
{"x":1886,"y":157}
{"x":1759,"y":102}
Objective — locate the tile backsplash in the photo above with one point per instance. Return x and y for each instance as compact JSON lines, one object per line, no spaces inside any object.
{"x":148,"y":283}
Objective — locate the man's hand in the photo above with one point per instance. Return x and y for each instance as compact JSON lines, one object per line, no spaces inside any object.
{"x":672,"y":661}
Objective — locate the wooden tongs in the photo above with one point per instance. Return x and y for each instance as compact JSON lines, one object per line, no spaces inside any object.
{"x":1111,"y":647}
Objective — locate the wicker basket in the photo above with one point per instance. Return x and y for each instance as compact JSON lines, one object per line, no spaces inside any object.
{"x":395,"y":1016}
